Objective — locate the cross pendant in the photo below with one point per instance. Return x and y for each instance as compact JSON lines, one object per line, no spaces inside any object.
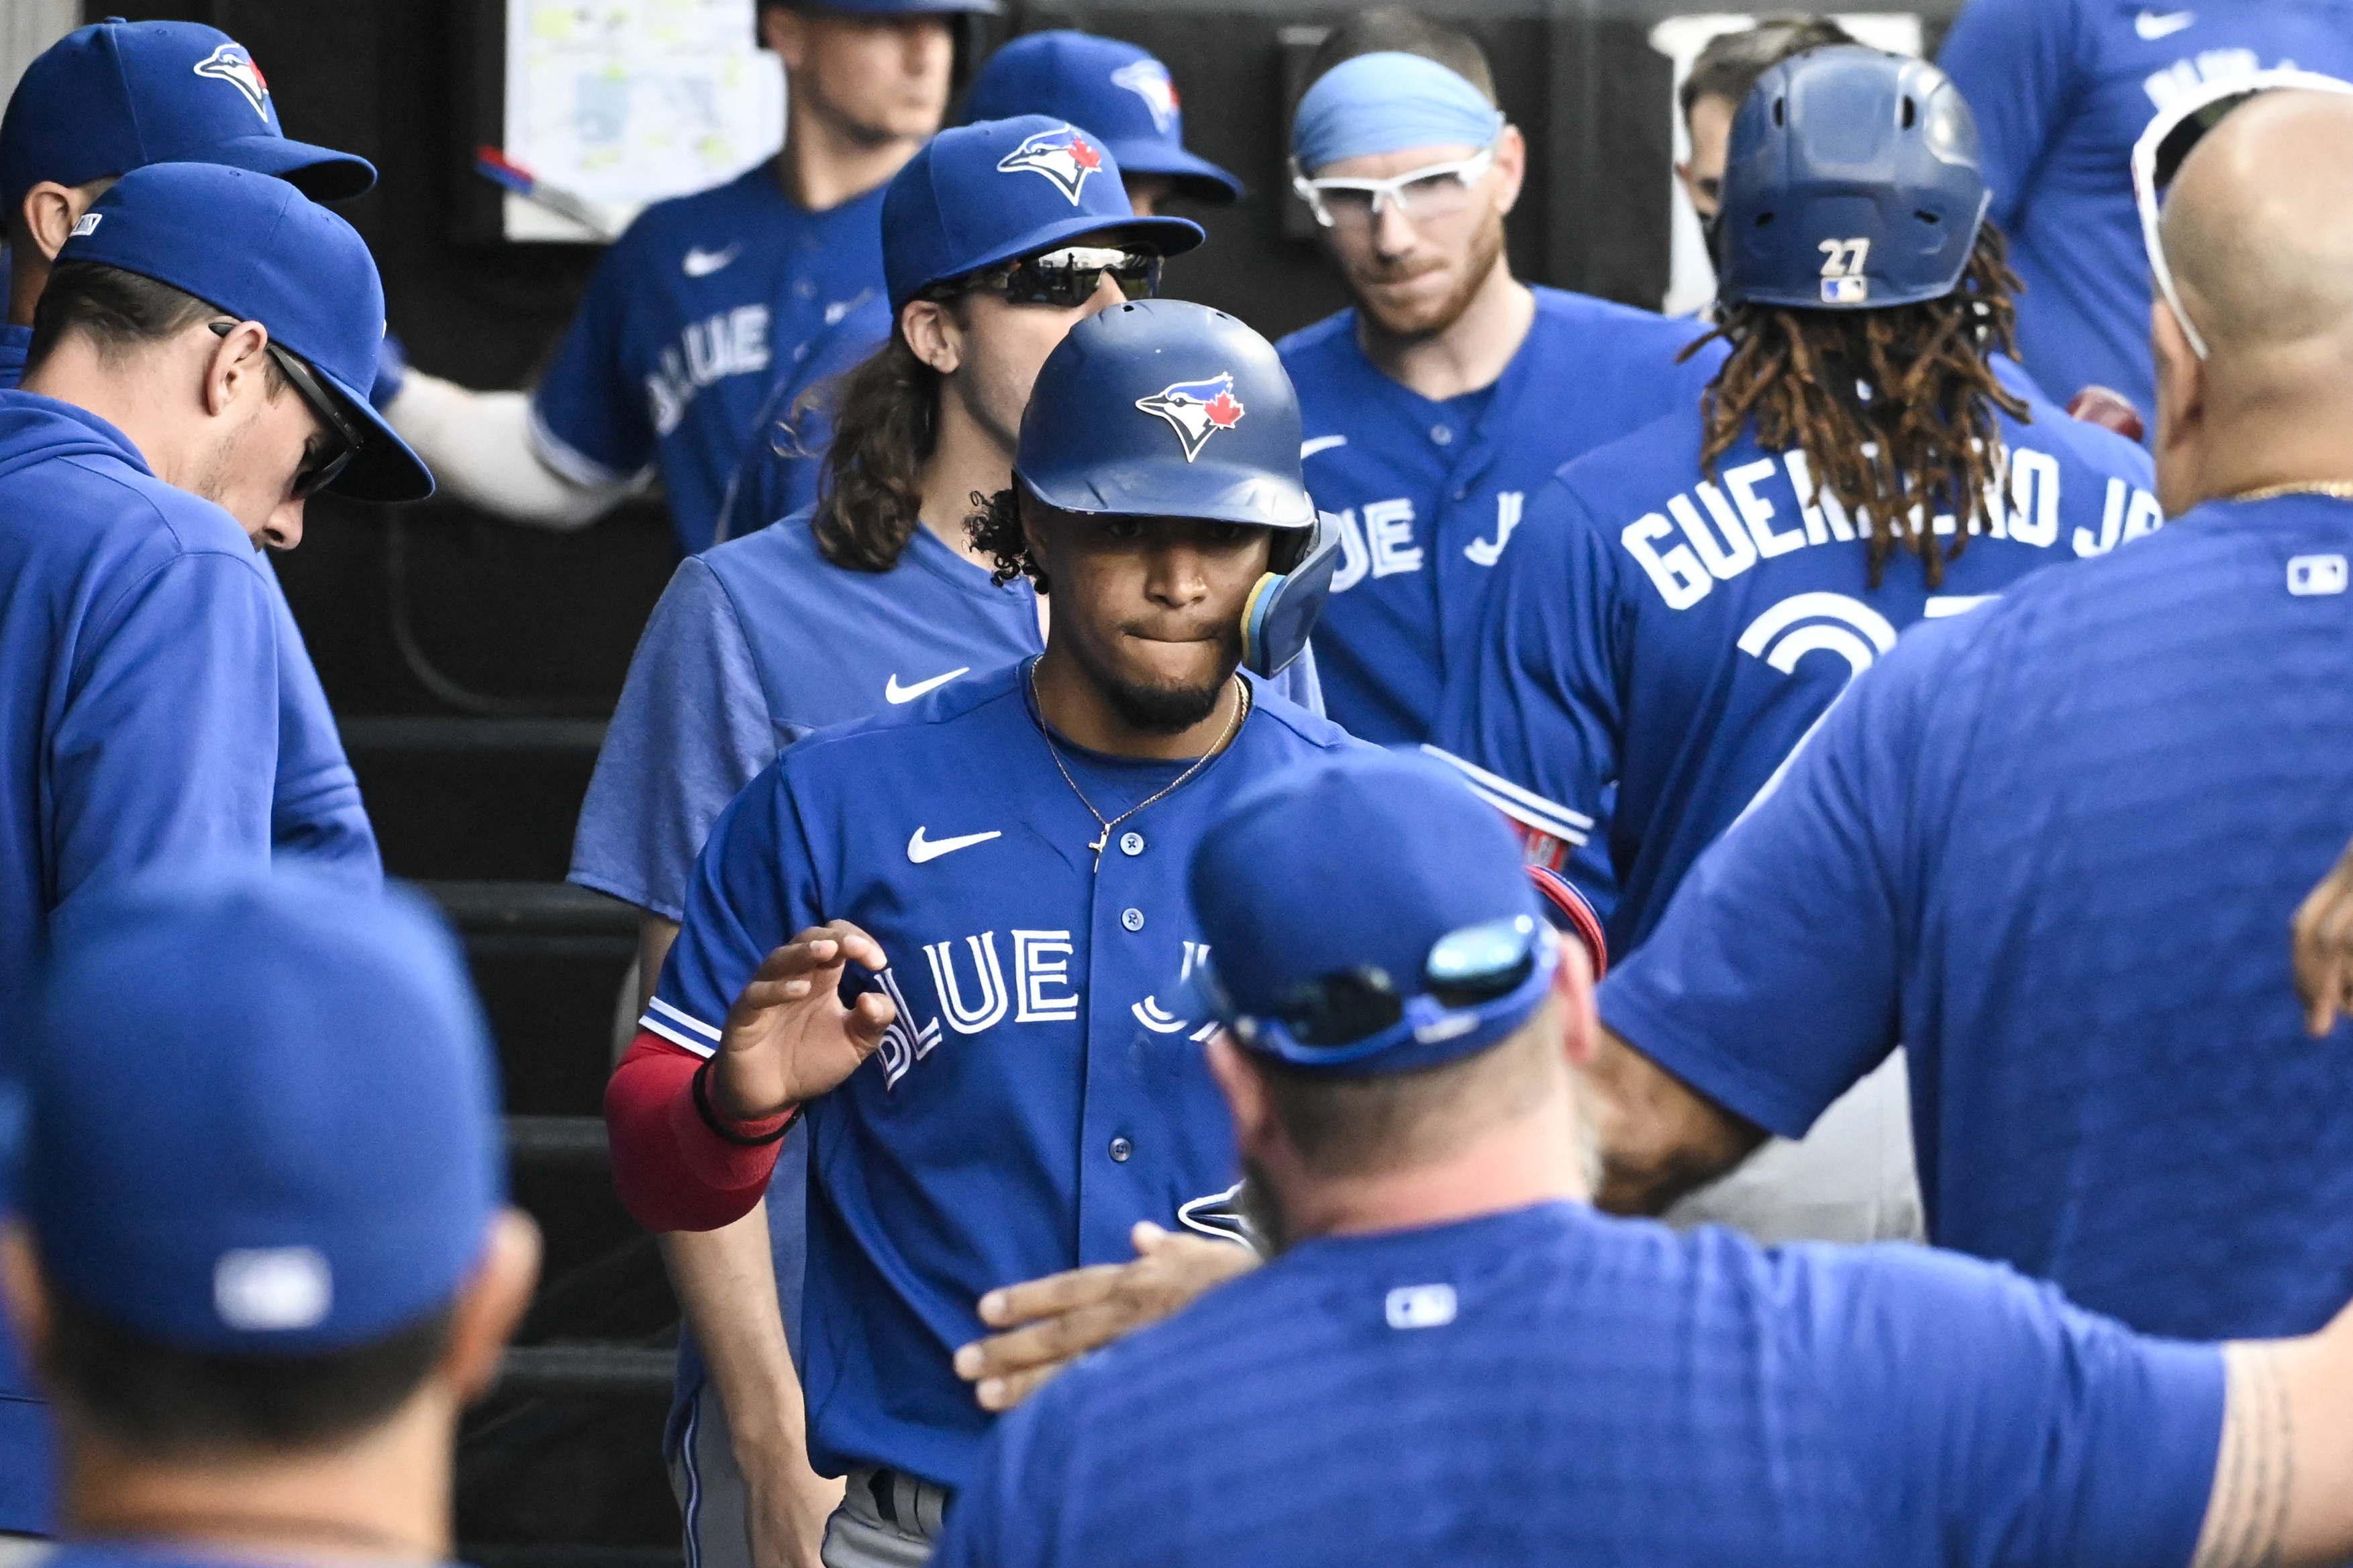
{"x":1098,"y":848}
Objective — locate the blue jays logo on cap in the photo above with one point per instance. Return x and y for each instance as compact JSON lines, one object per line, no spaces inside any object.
{"x":1149,"y":81}
{"x":1196,"y":410}
{"x":231,"y":64}
{"x":1062,"y":157}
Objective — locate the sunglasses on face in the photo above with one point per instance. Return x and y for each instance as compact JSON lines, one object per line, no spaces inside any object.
{"x":1437,"y":190}
{"x":1067,"y":279}
{"x":321,"y":469}
{"x":2166,"y":144}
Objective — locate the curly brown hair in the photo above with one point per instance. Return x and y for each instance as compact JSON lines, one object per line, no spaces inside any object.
{"x":885,"y":427}
{"x":995,"y":529}
{"x":1890,"y":407}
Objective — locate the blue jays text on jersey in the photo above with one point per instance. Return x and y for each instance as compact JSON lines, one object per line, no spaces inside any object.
{"x":691,"y":319}
{"x":1484,"y":1392}
{"x":2062,"y":89}
{"x":1679,"y":638}
{"x":1427,"y":493}
{"x":2053,"y":847}
{"x":316,"y":814}
{"x":1033,"y":1100}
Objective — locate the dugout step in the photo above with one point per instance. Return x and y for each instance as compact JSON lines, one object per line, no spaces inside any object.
{"x":474,"y":799}
{"x":548,"y":960}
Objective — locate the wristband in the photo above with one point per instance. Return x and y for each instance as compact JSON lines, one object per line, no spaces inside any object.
{"x":711,"y":1117}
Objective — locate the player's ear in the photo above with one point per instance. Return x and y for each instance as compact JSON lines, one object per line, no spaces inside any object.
{"x":492,"y":1303}
{"x":2181,"y":412}
{"x":786,"y":31}
{"x":1511,"y":167}
{"x":932,"y":333}
{"x":1245,"y":1089}
{"x":1572,"y":987}
{"x":234,"y":365}
{"x":48,"y":212}
{"x":27,"y":1292}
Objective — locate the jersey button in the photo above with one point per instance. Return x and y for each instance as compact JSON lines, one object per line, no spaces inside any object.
{"x":1132,"y":919}
{"x":1131,"y":844}
{"x":1441,"y":433}
{"x":1121,"y":1149}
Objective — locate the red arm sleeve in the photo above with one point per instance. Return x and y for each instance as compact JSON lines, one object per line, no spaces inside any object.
{"x":674,"y":1172}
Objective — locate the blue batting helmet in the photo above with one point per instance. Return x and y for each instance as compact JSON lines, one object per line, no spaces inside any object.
{"x":1164,"y":408}
{"x":1853,"y":182}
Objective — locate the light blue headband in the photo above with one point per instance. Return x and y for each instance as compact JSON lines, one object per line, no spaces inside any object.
{"x":1380,"y":104}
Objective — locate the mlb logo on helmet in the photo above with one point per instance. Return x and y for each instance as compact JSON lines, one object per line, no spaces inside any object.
{"x":1149,"y":81}
{"x":1196,"y":410}
{"x":1062,"y":157}
{"x":231,"y":64}
{"x":1846,"y":290}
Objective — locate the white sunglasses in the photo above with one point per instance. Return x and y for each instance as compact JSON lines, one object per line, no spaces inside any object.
{"x":1438,"y":190}
{"x":2158,"y":157}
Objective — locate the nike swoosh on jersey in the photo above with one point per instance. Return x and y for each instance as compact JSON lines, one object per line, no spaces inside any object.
{"x":2152,"y":26}
{"x":920,"y":849}
{"x":898,"y":693}
{"x":701,"y":263}
{"x":1315,"y":443}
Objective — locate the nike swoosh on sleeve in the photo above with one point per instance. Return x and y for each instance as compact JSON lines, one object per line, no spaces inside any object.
{"x":1309,"y":448}
{"x":920,"y":850}
{"x":895,"y":692}
{"x":2152,"y":27}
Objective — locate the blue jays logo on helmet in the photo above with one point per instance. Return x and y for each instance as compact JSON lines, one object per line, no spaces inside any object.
{"x":1062,"y":157}
{"x":1149,"y":81}
{"x":1196,"y":410}
{"x":231,"y":64}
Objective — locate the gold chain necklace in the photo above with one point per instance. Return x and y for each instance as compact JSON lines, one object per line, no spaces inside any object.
{"x":2341,"y":489}
{"x":1242,"y":708}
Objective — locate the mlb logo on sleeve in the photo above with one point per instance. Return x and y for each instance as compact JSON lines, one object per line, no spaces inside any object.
{"x":1062,"y":157}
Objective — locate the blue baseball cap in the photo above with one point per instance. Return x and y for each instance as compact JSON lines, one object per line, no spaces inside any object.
{"x":118,"y":96}
{"x":1165,"y":409}
{"x":261,"y":1116}
{"x":1366,"y":876}
{"x":984,"y":193}
{"x":1119,"y":92}
{"x":1386,"y":103}
{"x":260,"y":250}
{"x":1854,"y":181}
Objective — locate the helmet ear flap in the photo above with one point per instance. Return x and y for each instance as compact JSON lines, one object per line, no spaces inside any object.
{"x":1282,"y":608}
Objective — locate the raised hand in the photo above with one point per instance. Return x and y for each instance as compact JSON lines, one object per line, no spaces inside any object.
{"x":788,"y":1038}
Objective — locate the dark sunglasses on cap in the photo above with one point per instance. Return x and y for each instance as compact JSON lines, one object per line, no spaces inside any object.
{"x":322,"y":471}
{"x":1067,"y":278}
{"x":1352,"y":1012}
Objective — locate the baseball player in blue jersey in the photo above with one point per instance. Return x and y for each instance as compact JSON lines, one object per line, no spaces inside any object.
{"x":1455,"y":1360}
{"x":263,"y":1258}
{"x":1443,"y":400}
{"x":710,"y":300}
{"x":1117,"y":93}
{"x":2064,"y":893}
{"x":1682,"y":606}
{"x":1029,"y":1098}
{"x":858,"y":606}
{"x":179,"y":406}
{"x":2061,"y":90}
{"x":118,"y":96}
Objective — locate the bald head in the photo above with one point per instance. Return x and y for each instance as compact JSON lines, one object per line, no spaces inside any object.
{"x":2258,"y":226}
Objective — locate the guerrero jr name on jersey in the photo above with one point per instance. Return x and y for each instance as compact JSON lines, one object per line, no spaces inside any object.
{"x":1682,"y":646}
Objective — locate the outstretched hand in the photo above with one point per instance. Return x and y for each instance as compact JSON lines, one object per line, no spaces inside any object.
{"x":788,"y":1038}
{"x":2322,"y":946}
{"x":1052,"y":1322}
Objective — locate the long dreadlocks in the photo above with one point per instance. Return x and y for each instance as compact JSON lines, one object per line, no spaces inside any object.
{"x":1893,"y":409}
